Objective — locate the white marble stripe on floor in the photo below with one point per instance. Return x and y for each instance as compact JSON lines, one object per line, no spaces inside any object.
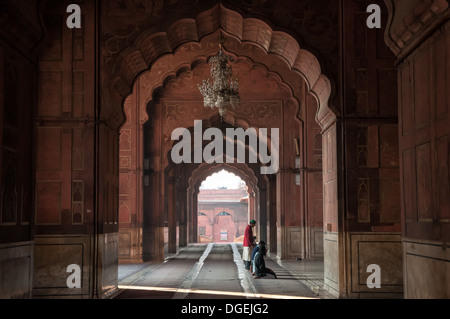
{"x":185,"y":287}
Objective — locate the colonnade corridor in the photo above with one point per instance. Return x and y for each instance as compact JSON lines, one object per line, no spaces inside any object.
{"x":216,"y":271}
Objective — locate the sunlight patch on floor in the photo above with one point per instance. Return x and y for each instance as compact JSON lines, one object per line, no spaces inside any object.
{"x":210,"y":292}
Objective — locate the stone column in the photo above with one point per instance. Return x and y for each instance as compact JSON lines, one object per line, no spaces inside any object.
{"x":251,"y":203}
{"x":172,"y":213}
{"x":419,"y":34}
{"x":272,"y":231}
{"x":183,"y":221}
{"x":77,"y":152}
{"x":195,"y":216}
{"x":18,"y":88}
{"x":360,"y":171}
{"x":131,"y":179}
{"x":189,"y":216}
{"x":153,"y":220}
{"x":262,"y":216}
{"x":333,"y":260}
{"x":283,"y":208}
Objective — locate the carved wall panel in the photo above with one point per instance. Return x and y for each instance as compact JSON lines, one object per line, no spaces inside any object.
{"x":50,"y":94}
{"x":48,"y":203}
{"x":424,"y":139}
{"x":419,"y":34}
{"x":384,"y":250}
{"x":78,"y":149}
{"x":65,"y":134}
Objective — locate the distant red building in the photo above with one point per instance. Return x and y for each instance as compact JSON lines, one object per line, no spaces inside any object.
{"x":222,"y":214}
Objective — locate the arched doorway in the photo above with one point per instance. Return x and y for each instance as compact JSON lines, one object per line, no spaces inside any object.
{"x":169,"y":94}
{"x":222,"y":208}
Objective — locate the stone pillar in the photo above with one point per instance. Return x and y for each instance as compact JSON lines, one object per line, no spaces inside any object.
{"x":262,"y":216}
{"x":251,"y":204}
{"x":153,"y":192}
{"x":77,"y":152}
{"x":289,"y":233}
{"x":189,"y":216}
{"x":195,"y":216}
{"x":333,"y":260}
{"x":361,"y":183}
{"x":18,"y":98}
{"x":183,"y":221}
{"x":289,"y":199}
{"x":153,"y":221}
{"x":131,"y":179}
{"x":424,"y":111}
{"x":172,"y":213}
{"x":312,"y":183}
{"x":272,"y":231}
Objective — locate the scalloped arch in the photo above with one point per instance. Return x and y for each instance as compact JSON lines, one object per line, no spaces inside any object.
{"x":205,"y":170}
{"x":149,"y":48}
{"x":158,"y":80}
{"x":232,"y":120}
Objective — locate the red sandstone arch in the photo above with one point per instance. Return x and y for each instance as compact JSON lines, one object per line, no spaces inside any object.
{"x":230,"y":118}
{"x":168,"y":69}
{"x":286,"y":56}
{"x":162,"y":59}
{"x":170,"y":72}
{"x":204,"y":170}
{"x":242,"y":170}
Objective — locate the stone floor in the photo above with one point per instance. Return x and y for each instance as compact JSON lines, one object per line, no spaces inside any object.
{"x":216,"y":271}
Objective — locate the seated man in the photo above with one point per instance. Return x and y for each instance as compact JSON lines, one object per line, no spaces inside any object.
{"x":255,"y":250}
{"x":260,"y":265}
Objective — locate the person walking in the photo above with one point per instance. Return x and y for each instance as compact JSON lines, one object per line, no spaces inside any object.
{"x":248,"y":244}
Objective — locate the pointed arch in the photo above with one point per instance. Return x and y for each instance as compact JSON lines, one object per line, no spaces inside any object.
{"x":291,"y":60}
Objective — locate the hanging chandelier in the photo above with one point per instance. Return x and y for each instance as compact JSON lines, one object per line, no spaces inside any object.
{"x":220,"y":90}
